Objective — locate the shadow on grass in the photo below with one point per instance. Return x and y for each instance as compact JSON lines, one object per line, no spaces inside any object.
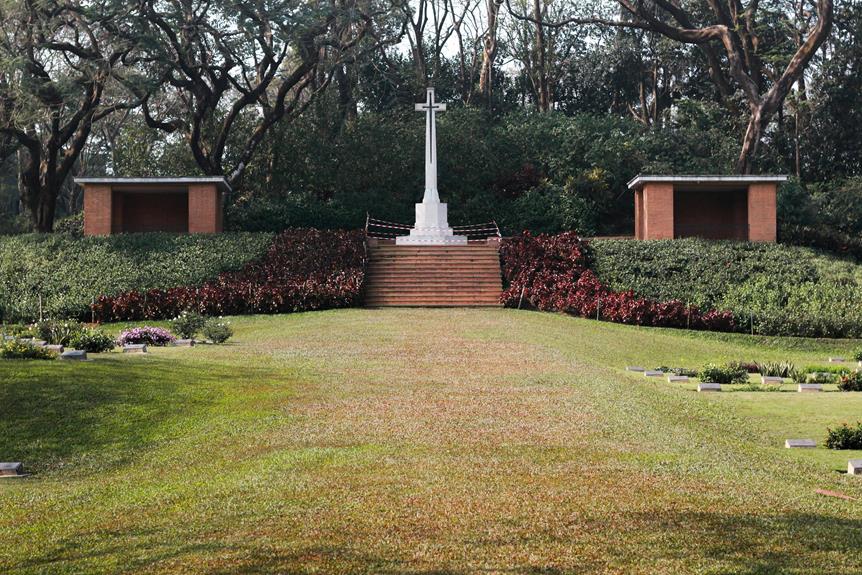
{"x":111,"y":408}
{"x":665,"y":543}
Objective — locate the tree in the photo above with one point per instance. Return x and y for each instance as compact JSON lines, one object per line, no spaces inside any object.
{"x":231,"y":70}
{"x":740,"y":33}
{"x":62,"y":69}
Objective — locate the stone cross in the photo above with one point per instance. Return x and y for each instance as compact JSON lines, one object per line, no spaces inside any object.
{"x":430,"y":107}
{"x":432,"y":220}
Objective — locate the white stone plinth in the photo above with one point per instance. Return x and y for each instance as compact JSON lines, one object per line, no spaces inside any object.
{"x":432,"y":227}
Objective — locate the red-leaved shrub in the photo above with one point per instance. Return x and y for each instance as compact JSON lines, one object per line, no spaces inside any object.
{"x":303,"y":269}
{"x":551,"y":273}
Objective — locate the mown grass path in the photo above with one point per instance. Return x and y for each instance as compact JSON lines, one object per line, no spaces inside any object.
{"x":422,"y":441}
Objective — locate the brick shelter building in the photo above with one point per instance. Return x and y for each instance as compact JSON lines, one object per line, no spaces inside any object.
{"x":127,"y":205}
{"x":714,"y":207}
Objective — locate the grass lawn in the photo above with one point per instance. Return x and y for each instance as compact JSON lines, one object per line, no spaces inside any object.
{"x":423,"y":441}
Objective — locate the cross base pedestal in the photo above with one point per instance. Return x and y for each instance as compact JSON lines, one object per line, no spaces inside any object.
{"x":432,"y":228}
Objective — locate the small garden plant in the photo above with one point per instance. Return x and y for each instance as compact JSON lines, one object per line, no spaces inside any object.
{"x":850,"y":382}
{"x":730,"y":373}
{"x":92,"y":341}
{"x":188,"y":324}
{"x":845,"y":437}
{"x":777,"y":369}
{"x":155,"y":336}
{"x":57,"y":332}
{"x":217,"y":330}
{"x":23,"y":350}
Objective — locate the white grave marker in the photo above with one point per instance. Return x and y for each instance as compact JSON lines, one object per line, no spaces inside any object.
{"x":701,"y":387}
{"x":810,"y":387}
{"x":800,"y":443}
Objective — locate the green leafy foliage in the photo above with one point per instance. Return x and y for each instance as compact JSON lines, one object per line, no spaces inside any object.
{"x":188,"y":324}
{"x":66,"y":272}
{"x":58,"y":332}
{"x":777,"y":369}
{"x":845,"y":437}
{"x":730,"y":373}
{"x":92,"y":341}
{"x":850,"y":382}
{"x":217,"y":330}
{"x":772,"y":289}
{"x":13,"y":349}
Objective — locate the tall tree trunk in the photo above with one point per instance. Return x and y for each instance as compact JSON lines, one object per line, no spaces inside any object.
{"x":542,"y":92}
{"x":489,"y":52}
{"x":751,"y":141}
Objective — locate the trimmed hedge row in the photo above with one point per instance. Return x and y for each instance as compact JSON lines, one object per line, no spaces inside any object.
{"x":303,"y":269}
{"x":772,"y":289}
{"x":67,"y":272}
{"x":551,"y":273}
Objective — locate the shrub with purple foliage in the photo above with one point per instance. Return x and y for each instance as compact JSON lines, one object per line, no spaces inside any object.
{"x":155,"y":336}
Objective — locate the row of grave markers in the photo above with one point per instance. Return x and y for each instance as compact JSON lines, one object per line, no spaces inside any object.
{"x":16,"y":468}
{"x":854,"y":466}
{"x":81,"y":355}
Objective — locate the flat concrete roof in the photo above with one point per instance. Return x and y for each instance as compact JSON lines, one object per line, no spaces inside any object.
{"x":219,"y":181}
{"x":641,"y":179}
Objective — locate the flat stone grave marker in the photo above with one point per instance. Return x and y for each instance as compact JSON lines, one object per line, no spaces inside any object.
{"x":854,"y":467}
{"x":74,"y":355}
{"x":135,"y":348}
{"x":39,"y":342}
{"x":184,"y":343}
{"x":799,"y":443}
{"x":653,"y":373}
{"x":702,"y":387}
{"x":810,"y":387}
{"x":634,"y":368}
{"x":771,"y":379}
{"x":57,"y":348}
{"x":677,"y":378}
{"x":836,"y":360}
{"x":11,"y":469}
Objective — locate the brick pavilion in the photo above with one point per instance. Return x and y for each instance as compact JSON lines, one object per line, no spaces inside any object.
{"x":714,"y":207}
{"x":127,"y":205}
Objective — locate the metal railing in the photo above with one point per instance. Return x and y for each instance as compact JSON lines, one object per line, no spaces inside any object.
{"x":384,"y":230}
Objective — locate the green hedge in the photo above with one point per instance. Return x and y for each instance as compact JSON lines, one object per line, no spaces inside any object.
{"x":67,"y":272}
{"x":780,"y":289}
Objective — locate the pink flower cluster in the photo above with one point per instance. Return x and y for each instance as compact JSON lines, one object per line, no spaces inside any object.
{"x":155,"y":336}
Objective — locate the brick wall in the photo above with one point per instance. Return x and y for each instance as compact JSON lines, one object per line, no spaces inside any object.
{"x":712,"y":214}
{"x":97,"y":210}
{"x":658,"y":211}
{"x":152,"y":212}
{"x":762,"y":212}
{"x":205,"y":209}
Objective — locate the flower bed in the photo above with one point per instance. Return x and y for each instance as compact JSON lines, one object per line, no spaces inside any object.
{"x":552,"y":273}
{"x":303,"y":269}
{"x":156,"y":336}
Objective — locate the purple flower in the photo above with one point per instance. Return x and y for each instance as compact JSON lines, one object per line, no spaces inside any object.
{"x":154,"y":336}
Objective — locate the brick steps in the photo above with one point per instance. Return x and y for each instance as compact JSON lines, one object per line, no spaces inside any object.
{"x":433,"y":276}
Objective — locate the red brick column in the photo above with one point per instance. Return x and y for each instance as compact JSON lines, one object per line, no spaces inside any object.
{"x":97,"y":210}
{"x":204,"y":209}
{"x":762,"y":217}
{"x":639,"y":232}
{"x":657,"y":206}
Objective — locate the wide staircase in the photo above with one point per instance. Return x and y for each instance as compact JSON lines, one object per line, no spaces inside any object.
{"x":433,"y":276}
